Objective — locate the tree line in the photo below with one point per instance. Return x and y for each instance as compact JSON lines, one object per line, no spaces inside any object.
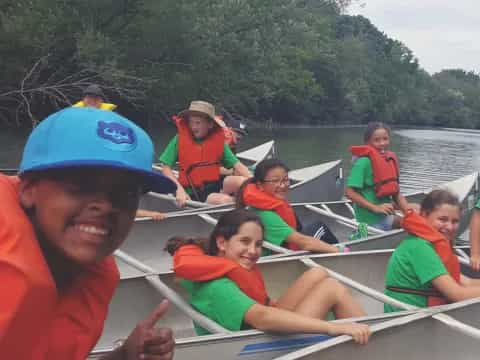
{"x":269,"y":61}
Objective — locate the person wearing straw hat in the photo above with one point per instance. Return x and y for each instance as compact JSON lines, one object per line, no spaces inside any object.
{"x":72,"y":205}
{"x":201,"y":151}
{"x":93,"y":96}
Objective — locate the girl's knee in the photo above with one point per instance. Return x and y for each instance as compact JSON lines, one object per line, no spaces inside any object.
{"x":335,"y":286}
{"x":231,"y":184}
{"x":217,"y":199}
{"x":317,"y":274}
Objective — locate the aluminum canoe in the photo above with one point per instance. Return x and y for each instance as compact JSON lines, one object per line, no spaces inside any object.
{"x":148,"y":238}
{"x":140,"y":290}
{"x":322,"y":182}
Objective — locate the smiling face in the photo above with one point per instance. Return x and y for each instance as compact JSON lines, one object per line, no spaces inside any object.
{"x":380,"y":140}
{"x":276,"y":182}
{"x":445,"y":218}
{"x":200,"y":126}
{"x":244,"y":247}
{"x":82,"y":214}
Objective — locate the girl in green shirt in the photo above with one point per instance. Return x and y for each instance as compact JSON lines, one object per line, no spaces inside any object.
{"x":375,"y":211}
{"x":266,"y":193}
{"x":415,"y":270}
{"x":238,"y":236}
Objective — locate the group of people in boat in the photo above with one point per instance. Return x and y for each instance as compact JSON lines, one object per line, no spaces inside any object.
{"x":81,"y":176}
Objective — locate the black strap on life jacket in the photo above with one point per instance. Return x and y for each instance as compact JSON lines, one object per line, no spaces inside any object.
{"x":198,"y":192}
{"x":423,"y":292}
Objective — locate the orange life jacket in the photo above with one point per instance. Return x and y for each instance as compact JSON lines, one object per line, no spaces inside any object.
{"x":37,"y":321}
{"x":231,"y":138}
{"x":384,"y":167}
{"x":253,"y":196}
{"x":418,"y":226}
{"x":199,"y":162}
{"x":191,"y":263}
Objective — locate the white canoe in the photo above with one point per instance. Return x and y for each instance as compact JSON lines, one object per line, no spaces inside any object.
{"x":253,"y":156}
{"x":148,"y":238}
{"x":140,"y":290}
{"x":323,"y":182}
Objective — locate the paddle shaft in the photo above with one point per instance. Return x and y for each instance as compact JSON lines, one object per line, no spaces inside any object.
{"x":172,"y":296}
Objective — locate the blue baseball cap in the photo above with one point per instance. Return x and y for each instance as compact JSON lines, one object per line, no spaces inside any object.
{"x":81,"y":137}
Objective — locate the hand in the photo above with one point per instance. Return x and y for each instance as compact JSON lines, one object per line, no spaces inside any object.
{"x":386,"y":209}
{"x":146,"y":342}
{"x":475,"y":262}
{"x":359,"y":332}
{"x":182,"y":196}
{"x":155,"y":215}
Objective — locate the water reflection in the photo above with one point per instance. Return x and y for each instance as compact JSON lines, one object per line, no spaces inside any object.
{"x":427,"y":156}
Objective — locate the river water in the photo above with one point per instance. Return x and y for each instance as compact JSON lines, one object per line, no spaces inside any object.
{"x":427,"y":156}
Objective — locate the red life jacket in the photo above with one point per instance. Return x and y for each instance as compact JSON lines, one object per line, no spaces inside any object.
{"x":418,"y":226}
{"x":253,"y":196}
{"x":385,"y":169}
{"x":231,"y":138}
{"x":191,"y":263}
{"x":198,"y":161}
{"x":37,"y":321}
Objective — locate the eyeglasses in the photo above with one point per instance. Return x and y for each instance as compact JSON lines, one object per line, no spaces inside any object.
{"x":282,"y":181}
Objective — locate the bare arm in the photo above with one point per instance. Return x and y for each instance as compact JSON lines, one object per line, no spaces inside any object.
{"x":225,"y":171}
{"x":167,"y":171}
{"x":181,"y":194}
{"x":155,"y":215}
{"x":401,"y":202}
{"x":358,"y":199}
{"x":475,"y":240}
{"x":242,"y":170}
{"x":267,"y":318}
{"x":466,"y":281}
{"x":454,"y":291}
{"x":309,"y":243}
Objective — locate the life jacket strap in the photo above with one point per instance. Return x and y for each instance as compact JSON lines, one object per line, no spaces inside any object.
{"x":425,"y":292}
{"x":198,"y":189}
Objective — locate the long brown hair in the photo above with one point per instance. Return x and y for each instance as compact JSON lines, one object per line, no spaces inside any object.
{"x":437,"y":198}
{"x":227,"y":226}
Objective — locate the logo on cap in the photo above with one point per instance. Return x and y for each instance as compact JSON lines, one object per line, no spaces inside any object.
{"x":115,"y":132}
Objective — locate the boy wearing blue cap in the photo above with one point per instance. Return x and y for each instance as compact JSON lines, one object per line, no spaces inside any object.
{"x":81,"y":176}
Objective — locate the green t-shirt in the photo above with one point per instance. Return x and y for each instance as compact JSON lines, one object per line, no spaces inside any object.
{"x":413,"y":265}
{"x":170,"y":155}
{"x":276,"y":229}
{"x":220,"y":300}
{"x":361,"y":179}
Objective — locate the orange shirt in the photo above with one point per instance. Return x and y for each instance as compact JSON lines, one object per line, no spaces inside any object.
{"x":36,"y":321}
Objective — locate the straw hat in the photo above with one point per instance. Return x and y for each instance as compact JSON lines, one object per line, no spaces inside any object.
{"x":202,"y":108}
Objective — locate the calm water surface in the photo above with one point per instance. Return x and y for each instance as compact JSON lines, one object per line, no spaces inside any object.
{"x":427,"y":157}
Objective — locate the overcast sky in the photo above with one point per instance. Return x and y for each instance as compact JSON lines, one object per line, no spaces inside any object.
{"x":442,"y":34}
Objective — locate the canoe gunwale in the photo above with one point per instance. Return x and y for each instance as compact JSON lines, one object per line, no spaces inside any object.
{"x":253,"y":332}
{"x":433,"y":312}
{"x":328,"y":167}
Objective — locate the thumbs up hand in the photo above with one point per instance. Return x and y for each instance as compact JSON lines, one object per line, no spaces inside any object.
{"x":146,"y":342}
